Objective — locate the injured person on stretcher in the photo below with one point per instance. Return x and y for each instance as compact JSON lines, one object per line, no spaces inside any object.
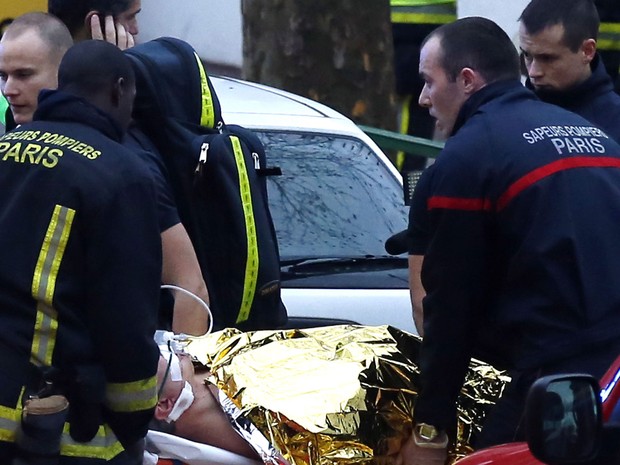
{"x":300,"y":397}
{"x":187,"y":408}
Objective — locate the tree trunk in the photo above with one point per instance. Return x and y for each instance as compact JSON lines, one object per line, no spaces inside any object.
{"x":339,"y":53}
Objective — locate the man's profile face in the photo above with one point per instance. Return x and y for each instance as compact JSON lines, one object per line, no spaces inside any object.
{"x":129,"y":19}
{"x":187,"y":372}
{"x":26,"y":66}
{"x":550,"y":64}
{"x":171,"y":389}
{"x":442,"y":97}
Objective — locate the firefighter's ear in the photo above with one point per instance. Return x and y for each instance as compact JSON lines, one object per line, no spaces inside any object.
{"x":116,"y":93}
{"x":588,"y":50}
{"x":470,"y":80}
{"x":120,"y":91}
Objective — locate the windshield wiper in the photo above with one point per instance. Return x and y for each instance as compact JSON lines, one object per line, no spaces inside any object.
{"x":308,"y":266}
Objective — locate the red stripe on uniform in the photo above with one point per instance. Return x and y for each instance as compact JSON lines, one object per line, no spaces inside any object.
{"x":560,"y":165}
{"x":459,"y":203}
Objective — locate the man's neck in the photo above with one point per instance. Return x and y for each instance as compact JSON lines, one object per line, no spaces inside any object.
{"x":206,"y":422}
{"x":587,"y":72}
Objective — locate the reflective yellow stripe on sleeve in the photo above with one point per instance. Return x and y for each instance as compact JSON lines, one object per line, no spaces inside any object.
{"x":44,"y":285}
{"x":9,"y":418}
{"x":251,"y":266}
{"x":104,"y":445}
{"x":132,"y":397}
{"x":207,"y":114}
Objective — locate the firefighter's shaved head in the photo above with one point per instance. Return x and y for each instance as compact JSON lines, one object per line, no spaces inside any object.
{"x":110,"y":87}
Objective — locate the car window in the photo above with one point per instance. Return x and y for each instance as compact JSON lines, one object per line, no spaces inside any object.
{"x":335,"y":197}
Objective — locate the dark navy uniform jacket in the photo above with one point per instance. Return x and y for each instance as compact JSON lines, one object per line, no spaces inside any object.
{"x":80,"y":272}
{"x":138,"y":142}
{"x":594,"y":99}
{"x":523,"y":210}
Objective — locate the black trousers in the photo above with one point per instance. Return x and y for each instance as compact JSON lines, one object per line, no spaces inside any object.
{"x":504,"y":422}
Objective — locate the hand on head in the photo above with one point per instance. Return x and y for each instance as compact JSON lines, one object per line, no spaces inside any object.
{"x":112,"y":31}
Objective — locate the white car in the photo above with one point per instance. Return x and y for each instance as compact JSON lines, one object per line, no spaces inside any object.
{"x":337,"y":201}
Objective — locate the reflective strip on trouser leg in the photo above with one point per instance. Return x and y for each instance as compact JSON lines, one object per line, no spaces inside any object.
{"x":251,"y":267}
{"x":44,"y":285}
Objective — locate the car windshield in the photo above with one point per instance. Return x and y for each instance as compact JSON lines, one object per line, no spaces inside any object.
{"x":335,"y":197}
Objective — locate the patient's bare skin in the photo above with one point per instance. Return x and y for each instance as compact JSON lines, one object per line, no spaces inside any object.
{"x":204,"y":421}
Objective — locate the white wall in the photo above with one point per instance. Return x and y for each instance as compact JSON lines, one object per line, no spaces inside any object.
{"x":212,"y":27}
{"x":503,"y":12}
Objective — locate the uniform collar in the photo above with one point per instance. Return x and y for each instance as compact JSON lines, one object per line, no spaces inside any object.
{"x":56,"y":105}
{"x":486,"y":94}
{"x":597,"y":83}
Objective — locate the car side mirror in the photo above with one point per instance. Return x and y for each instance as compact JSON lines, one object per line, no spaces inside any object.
{"x":563,"y":418}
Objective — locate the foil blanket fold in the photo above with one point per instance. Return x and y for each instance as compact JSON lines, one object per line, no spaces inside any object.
{"x":334,"y":395}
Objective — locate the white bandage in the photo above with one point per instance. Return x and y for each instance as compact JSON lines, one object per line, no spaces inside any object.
{"x":186,"y":398}
{"x":175,"y":373}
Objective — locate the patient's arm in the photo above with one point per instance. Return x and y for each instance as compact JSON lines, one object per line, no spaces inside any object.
{"x":180,"y":268}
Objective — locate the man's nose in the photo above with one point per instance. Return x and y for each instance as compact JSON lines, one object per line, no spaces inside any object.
{"x":132,"y":27}
{"x":424,"y":100}
{"x":534,"y":70}
{"x":9,"y":87}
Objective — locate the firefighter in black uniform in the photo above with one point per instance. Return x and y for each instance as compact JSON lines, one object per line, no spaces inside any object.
{"x":558,"y":41}
{"x":522,"y":235}
{"x":80,"y":272}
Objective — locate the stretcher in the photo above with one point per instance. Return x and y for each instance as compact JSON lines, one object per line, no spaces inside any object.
{"x":164,"y":449}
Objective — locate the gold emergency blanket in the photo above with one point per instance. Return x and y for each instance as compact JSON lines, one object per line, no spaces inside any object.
{"x":335,"y":395}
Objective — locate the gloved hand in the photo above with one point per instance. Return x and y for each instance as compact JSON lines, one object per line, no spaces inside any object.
{"x":416,"y":451}
{"x":86,"y":394}
{"x":135,"y":452}
{"x":84,"y":421}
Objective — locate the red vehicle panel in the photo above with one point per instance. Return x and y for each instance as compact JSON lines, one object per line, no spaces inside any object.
{"x":519,"y":453}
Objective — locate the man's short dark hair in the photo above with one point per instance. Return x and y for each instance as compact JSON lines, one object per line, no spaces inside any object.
{"x":81,"y":72}
{"x":579,"y":18}
{"x":73,"y":12}
{"x":479,"y":44}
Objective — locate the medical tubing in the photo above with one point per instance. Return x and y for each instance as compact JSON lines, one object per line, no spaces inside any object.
{"x":194,"y":296}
